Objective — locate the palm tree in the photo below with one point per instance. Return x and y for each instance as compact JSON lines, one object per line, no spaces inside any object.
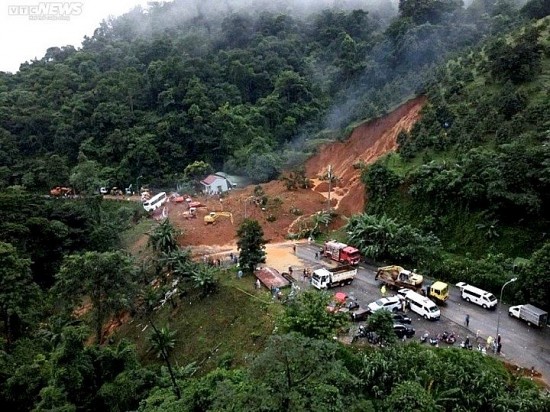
{"x":178,"y":261}
{"x":149,"y":297}
{"x":163,"y":342}
{"x":204,"y":279}
{"x":371,"y":234}
{"x":163,"y":239}
{"x":320,"y":218}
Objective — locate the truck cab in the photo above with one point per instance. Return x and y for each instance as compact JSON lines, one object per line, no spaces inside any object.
{"x":320,"y":279}
{"x":350,"y":255}
{"x":439,"y":291}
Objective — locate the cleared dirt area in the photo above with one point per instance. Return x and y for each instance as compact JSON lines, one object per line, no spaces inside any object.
{"x":286,"y":209}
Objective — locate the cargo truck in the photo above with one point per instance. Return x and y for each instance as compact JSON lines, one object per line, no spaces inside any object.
{"x":325,"y":278}
{"x":341,"y":252}
{"x":530,"y":314}
{"x":396,"y":277}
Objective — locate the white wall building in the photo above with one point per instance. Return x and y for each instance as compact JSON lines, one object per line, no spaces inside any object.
{"x":215,"y":184}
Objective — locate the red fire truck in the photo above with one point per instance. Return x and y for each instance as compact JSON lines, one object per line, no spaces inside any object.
{"x":341,"y":252}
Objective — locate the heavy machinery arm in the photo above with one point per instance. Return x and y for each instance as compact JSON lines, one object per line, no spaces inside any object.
{"x":213,"y":216}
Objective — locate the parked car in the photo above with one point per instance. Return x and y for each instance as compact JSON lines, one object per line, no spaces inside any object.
{"x":401,"y":330}
{"x":391,"y":304}
{"x":359,"y":314}
{"x":398,"y":318}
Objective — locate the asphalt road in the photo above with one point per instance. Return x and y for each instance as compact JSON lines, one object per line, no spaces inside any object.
{"x":522,"y":345}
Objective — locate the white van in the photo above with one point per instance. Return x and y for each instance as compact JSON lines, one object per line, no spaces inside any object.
{"x":476,"y":295}
{"x":422,"y":305}
{"x":155,"y":202}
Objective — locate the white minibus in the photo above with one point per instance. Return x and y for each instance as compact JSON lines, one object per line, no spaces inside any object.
{"x":155,"y":202}
{"x":476,"y":295}
{"x":422,"y":305}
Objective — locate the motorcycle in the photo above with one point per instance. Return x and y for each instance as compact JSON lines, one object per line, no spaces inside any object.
{"x":361,"y":333}
{"x":424,"y":337}
{"x":372,"y":337}
{"x":451,"y":339}
{"x":447,"y":337}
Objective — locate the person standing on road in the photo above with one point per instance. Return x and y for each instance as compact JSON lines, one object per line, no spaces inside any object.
{"x":467,"y":320}
{"x":294,"y":248}
{"x":490,"y":341}
{"x":383,"y":290}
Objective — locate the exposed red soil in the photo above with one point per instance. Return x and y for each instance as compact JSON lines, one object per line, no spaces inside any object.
{"x":368,"y":142}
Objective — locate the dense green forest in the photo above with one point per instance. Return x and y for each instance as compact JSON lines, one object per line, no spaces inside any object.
{"x":151,"y":92}
{"x":470,"y":183}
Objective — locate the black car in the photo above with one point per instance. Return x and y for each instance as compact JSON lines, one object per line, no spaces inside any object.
{"x":359,"y":315}
{"x":401,"y":330}
{"x":398,"y":318}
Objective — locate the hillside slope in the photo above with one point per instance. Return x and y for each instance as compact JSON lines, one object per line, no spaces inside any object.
{"x":367,"y":143}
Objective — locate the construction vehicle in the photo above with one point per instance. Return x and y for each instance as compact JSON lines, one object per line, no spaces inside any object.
{"x":396,"y":277}
{"x":530,"y":314}
{"x":325,"y":278}
{"x":190,"y":214}
{"x":212,"y":217}
{"x":59,"y":191}
{"x":341,"y":252}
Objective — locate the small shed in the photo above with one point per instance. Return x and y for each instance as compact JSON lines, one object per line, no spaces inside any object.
{"x":215,"y":184}
{"x":270,"y":277}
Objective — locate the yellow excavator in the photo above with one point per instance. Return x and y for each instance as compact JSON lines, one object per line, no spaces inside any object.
{"x":213,"y":216}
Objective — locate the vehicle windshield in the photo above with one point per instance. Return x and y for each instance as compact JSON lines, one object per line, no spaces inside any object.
{"x":315,"y":277}
{"x":379,"y":302}
{"x":491,"y":297}
{"x":434,"y":309}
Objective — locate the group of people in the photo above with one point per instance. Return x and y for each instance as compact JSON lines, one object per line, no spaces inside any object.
{"x":491,"y":344}
{"x":494,"y":344}
{"x":306,"y":274}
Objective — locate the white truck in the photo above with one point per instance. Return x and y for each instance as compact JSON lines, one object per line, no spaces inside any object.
{"x":530,"y":314}
{"x":325,"y":278}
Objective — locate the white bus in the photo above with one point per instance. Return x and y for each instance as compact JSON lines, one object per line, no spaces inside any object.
{"x":476,"y":295}
{"x":155,"y":202}
{"x":422,"y":305}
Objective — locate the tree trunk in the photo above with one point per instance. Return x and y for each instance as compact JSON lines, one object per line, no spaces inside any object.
{"x":99,"y":324}
{"x":170,"y":371}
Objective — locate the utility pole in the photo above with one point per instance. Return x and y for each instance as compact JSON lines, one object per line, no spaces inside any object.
{"x":500,"y":304}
